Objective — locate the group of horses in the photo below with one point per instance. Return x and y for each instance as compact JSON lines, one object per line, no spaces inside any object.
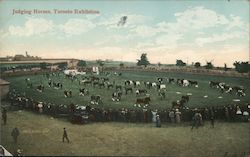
{"x":225,"y":88}
{"x":130,"y":86}
{"x":142,"y":93}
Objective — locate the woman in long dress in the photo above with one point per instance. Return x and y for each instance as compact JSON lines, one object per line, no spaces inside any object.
{"x":154,"y":116}
{"x":158,"y":121}
{"x":177,"y":116}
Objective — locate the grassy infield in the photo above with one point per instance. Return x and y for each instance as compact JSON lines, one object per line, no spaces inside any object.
{"x":196,"y":100}
{"x":41,"y":135}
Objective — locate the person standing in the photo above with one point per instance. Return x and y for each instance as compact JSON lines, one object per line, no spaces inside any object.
{"x":200,"y":119}
{"x":196,"y":120}
{"x":158,"y":121}
{"x":212,"y":121}
{"x":154,"y":113}
{"x":4,"y":116}
{"x":65,"y":135}
{"x":245,"y":116}
{"x":15,"y":133}
{"x":238,"y":113}
{"x":171,"y":116}
{"x":227,"y":117}
{"x":206,"y":114}
{"x":177,"y":116}
{"x":40,"y":107}
{"x":145,"y":115}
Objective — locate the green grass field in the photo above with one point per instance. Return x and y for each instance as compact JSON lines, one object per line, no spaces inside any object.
{"x":42,"y":135}
{"x":196,"y":99}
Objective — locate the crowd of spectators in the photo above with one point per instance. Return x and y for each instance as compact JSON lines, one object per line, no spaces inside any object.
{"x":229,"y":113}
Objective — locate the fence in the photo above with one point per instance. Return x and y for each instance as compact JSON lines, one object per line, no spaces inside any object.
{"x":22,"y":72}
{"x":171,"y":69}
{"x":188,"y":70}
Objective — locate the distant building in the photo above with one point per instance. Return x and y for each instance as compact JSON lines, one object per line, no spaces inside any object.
{"x":4,"y":88}
{"x":19,"y":57}
{"x":8,"y":58}
{"x":27,"y":57}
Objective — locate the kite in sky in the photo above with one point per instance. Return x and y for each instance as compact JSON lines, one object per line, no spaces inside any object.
{"x":122,"y":21}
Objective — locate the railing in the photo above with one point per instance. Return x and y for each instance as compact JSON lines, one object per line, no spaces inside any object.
{"x":189,"y":70}
{"x":171,"y":69}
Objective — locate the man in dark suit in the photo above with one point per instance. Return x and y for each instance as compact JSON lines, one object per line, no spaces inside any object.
{"x":15,"y":133}
{"x":65,"y":135}
{"x":4,"y":116}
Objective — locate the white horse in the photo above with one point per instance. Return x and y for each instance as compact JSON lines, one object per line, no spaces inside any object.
{"x":185,"y":83}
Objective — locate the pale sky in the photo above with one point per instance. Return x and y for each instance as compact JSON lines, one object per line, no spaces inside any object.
{"x":191,"y":30}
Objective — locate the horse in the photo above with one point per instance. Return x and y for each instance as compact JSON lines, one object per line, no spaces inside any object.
{"x":127,"y":89}
{"x":140,"y":91}
{"x":116,"y":96}
{"x":95,"y":99}
{"x":144,"y":100}
{"x":40,"y":88}
{"x":83,"y":91}
{"x":213,"y":84}
{"x":161,"y":86}
{"x":148,"y":84}
{"x":101,"y":85}
{"x":118,"y":87}
{"x":185,"y":98}
{"x":67,"y":93}
{"x":170,"y":80}
{"x":193,"y":83}
{"x":162,"y":94}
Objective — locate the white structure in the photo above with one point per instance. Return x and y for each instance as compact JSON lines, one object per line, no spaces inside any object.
{"x":95,"y":69}
{"x":4,"y":152}
{"x":73,"y":72}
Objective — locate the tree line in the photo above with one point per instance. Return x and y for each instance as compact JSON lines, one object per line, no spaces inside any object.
{"x":241,"y":67}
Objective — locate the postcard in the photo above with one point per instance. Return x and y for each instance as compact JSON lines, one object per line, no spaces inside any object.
{"x":125,"y":78}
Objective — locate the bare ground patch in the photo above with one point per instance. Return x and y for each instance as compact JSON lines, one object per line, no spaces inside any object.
{"x":41,"y":135}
